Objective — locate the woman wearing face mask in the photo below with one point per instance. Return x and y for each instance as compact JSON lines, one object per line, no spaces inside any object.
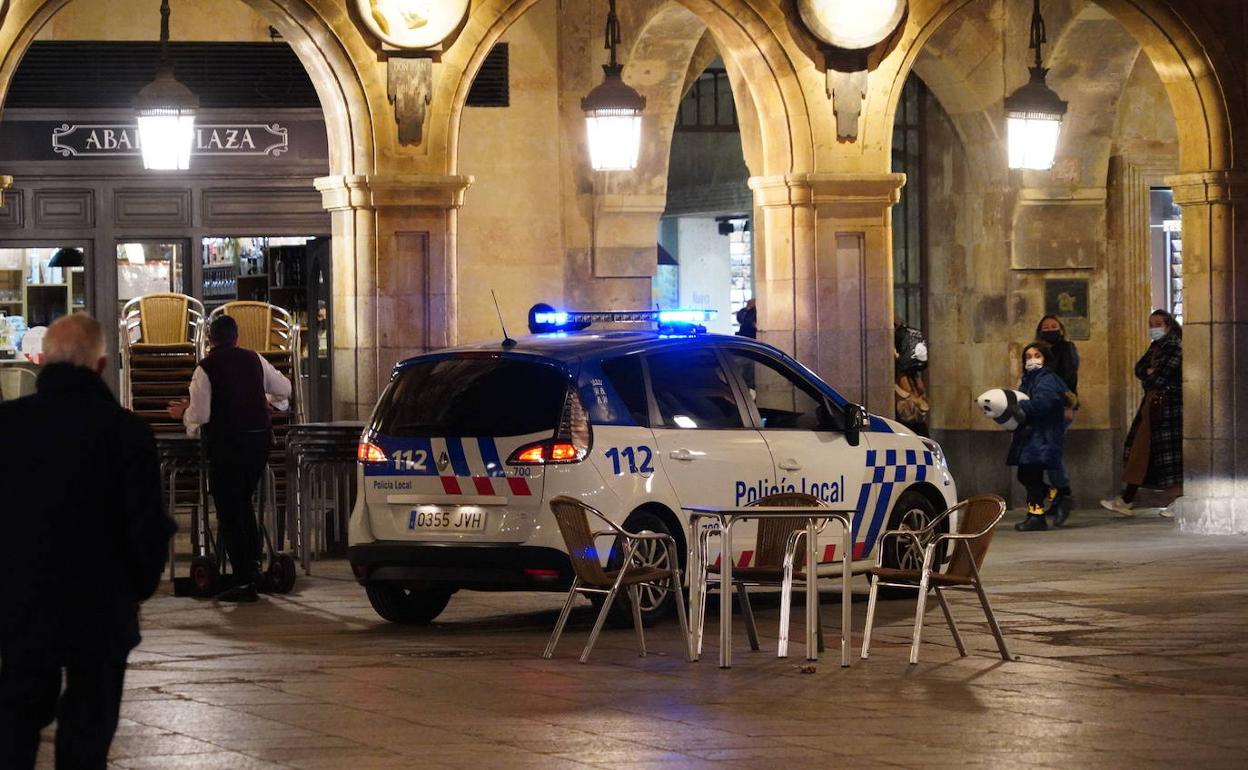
{"x":1038,"y":443}
{"x":1065,"y":363}
{"x":1153,"y":455}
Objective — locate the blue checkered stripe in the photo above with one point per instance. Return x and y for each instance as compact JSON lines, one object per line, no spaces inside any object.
{"x":885,"y":470}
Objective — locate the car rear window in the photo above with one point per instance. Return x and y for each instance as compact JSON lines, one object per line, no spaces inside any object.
{"x":472,"y":397}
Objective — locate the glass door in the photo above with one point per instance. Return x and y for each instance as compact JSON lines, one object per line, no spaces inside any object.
{"x":149,"y":267}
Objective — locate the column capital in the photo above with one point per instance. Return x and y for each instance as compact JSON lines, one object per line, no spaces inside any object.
{"x":1204,"y":187}
{"x":849,"y":195}
{"x":357,"y":191}
{"x":5,"y":183}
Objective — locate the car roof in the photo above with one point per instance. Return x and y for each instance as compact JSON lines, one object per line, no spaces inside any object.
{"x":573,"y":346}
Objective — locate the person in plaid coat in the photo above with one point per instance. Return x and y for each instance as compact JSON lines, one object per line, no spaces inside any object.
{"x":1153,"y":454}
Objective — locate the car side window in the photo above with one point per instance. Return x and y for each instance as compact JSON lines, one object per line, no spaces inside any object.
{"x":784,"y":400}
{"x":692,"y":390}
{"x":626,"y":378}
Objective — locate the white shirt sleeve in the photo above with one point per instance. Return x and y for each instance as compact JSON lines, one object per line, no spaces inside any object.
{"x":276,"y":386}
{"x":200,"y":409}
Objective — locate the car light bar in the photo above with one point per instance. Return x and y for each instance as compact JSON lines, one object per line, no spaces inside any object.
{"x":566,"y":317}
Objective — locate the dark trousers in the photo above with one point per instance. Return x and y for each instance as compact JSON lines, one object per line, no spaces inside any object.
{"x":235,"y":463}
{"x":85,"y":713}
{"x":1032,"y":477}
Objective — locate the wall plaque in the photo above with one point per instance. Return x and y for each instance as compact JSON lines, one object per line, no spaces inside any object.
{"x":1067,"y":298}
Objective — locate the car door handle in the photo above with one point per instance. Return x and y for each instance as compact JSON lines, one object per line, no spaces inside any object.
{"x":790,"y":465}
{"x":681,"y":454}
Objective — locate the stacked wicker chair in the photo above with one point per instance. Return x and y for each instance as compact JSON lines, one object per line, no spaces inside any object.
{"x":161,"y":342}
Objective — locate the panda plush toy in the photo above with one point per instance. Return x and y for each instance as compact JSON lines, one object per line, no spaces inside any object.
{"x":1001,"y":406}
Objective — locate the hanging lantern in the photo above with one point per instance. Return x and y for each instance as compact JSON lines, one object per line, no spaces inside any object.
{"x":166,"y":112}
{"x":1034,"y":112}
{"x":613,"y":112}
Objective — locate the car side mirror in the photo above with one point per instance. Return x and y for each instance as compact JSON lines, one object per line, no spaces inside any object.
{"x":856,"y":418}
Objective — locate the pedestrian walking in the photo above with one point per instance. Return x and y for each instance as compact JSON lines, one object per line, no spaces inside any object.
{"x":83,"y":540}
{"x":231,"y":391}
{"x":1153,"y":452}
{"x":1065,"y":364}
{"x":1038,"y":443}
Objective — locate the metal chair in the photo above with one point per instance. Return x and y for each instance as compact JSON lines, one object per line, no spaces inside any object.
{"x":261,"y":326}
{"x":977,"y":518}
{"x":776,"y":562}
{"x":591,"y":578}
{"x":160,"y":338}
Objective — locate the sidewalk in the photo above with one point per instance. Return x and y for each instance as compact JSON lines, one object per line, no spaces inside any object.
{"x":1131,"y":638}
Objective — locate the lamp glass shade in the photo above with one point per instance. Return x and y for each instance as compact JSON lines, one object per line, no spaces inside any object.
{"x":613,"y":122}
{"x":614,"y":140}
{"x":166,"y":115}
{"x":166,"y":141}
{"x":1033,"y":140}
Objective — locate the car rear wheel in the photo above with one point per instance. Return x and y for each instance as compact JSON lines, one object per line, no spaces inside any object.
{"x":656,"y":601}
{"x":408,"y":605}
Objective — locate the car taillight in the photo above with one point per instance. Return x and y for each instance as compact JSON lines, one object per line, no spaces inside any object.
{"x":570,"y":444}
{"x":368,"y":452}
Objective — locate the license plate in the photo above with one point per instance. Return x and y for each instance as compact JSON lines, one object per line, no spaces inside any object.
{"x":447,"y":521}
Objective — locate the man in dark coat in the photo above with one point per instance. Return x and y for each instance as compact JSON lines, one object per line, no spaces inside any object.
{"x":83,"y":540}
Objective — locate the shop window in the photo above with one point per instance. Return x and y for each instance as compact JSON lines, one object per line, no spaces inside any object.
{"x":741,"y":260}
{"x":909,"y":215}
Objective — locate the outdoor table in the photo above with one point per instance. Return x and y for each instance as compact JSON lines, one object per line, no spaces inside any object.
{"x":727,"y":516}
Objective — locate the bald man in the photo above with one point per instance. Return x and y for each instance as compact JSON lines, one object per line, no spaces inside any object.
{"x":83,"y":540}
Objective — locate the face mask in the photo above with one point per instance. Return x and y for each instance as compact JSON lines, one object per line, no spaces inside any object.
{"x":1156,"y":332}
{"x":1052,"y":337}
{"x":1033,"y":364}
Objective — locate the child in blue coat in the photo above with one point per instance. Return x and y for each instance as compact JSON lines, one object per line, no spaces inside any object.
{"x":1038,"y":442}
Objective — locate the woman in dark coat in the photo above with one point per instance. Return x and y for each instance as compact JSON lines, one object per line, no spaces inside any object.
{"x":1065,"y":363}
{"x":1039,"y":442}
{"x":1153,"y":454}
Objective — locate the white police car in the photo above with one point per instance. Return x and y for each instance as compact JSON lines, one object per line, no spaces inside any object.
{"x":466,"y":445}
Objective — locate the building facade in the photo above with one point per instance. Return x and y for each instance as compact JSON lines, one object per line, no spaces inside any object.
{"x":504,"y":199}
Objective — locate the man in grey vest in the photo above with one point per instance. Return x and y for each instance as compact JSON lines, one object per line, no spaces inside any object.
{"x":231,"y":392}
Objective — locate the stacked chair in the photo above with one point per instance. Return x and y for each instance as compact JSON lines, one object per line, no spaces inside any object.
{"x":161,"y":341}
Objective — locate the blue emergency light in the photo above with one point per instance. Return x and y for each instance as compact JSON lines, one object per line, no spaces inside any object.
{"x":681,"y":321}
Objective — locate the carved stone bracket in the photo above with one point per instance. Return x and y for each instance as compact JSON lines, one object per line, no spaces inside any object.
{"x":847,"y":87}
{"x":5,"y":183}
{"x":409,"y":85}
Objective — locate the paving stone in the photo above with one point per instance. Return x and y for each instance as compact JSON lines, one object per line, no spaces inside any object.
{"x":1131,"y":649}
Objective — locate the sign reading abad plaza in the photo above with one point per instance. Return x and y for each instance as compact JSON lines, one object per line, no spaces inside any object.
{"x":90,"y":140}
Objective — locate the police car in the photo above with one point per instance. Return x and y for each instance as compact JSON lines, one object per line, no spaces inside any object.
{"x":466,"y":445}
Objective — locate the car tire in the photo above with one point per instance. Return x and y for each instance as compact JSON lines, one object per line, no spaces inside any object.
{"x":409,"y":606}
{"x":655,"y":604}
{"x":914,"y":511}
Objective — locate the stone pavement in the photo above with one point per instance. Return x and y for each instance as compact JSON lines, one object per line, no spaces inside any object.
{"x":1131,"y":639}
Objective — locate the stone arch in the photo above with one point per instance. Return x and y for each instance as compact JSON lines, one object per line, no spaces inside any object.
{"x":319,"y":45}
{"x":744,"y":34}
{"x":1190,"y":69}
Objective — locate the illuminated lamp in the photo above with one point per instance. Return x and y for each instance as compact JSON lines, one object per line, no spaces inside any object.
{"x":166,"y":112}
{"x":613,"y":112}
{"x":1034,"y":112}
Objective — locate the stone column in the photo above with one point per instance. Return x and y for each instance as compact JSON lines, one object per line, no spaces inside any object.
{"x":394,"y":276}
{"x":1215,"y":345}
{"x":824,"y":277}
